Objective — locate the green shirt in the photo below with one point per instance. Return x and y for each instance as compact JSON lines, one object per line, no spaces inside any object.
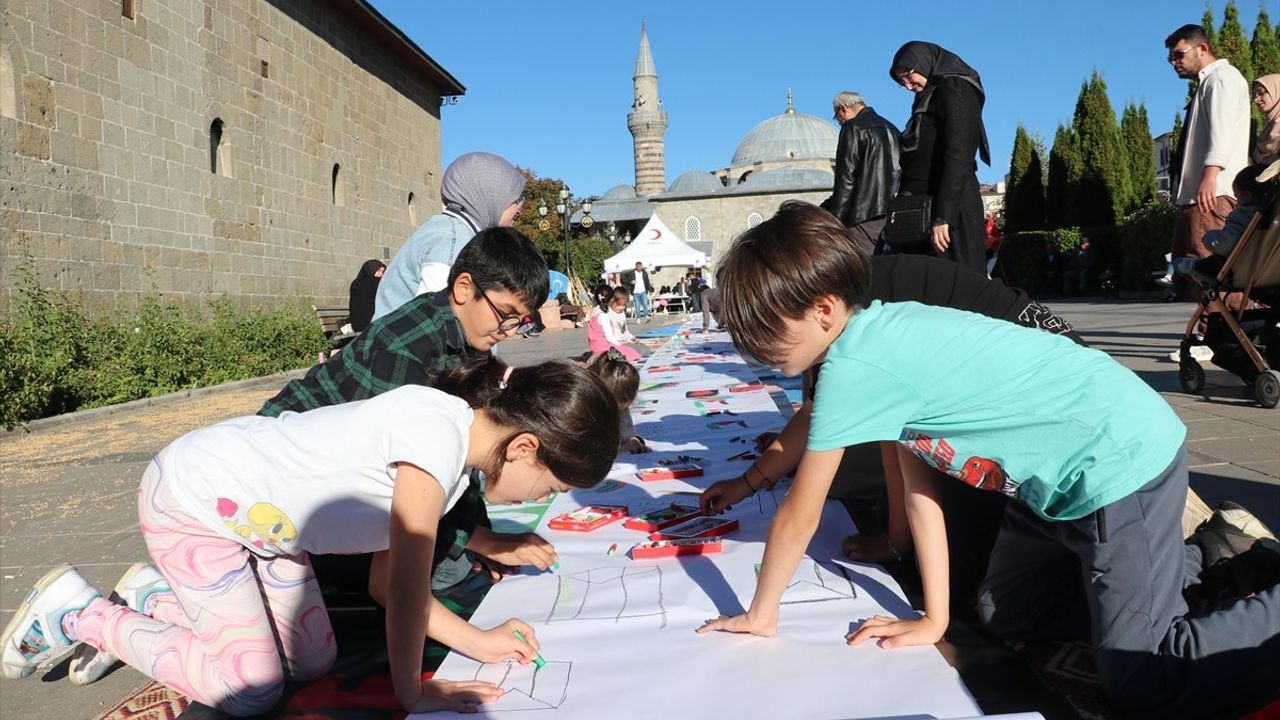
{"x":1064,"y":428}
{"x":411,"y":345}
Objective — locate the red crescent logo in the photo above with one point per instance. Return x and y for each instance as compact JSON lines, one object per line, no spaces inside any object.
{"x":656,"y":233}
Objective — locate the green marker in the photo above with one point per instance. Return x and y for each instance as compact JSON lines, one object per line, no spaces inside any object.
{"x":538,"y":662}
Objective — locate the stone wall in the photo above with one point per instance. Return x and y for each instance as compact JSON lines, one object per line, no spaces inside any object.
{"x":721,"y":218}
{"x":108,"y":165}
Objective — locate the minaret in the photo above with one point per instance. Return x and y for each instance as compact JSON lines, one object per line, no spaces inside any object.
{"x":647,"y":122}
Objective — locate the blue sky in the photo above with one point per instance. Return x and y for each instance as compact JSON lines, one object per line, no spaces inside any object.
{"x":549,"y":84}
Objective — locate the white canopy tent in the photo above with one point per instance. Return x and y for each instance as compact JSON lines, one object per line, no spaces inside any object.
{"x":655,"y":246}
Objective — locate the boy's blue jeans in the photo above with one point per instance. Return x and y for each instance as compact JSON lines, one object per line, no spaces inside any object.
{"x":642,"y":304}
{"x":1117,"y":576}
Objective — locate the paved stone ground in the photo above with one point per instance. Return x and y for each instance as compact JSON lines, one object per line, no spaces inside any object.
{"x":67,"y":485}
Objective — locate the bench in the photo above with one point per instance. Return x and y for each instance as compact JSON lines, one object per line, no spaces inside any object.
{"x":331,"y":321}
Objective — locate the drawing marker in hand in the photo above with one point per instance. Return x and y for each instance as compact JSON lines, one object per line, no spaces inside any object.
{"x":538,"y":662}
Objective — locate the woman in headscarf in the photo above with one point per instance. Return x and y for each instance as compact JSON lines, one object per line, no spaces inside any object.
{"x":938,"y":147}
{"x":1266,"y":95}
{"x":363,"y":291}
{"x":480,"y":190}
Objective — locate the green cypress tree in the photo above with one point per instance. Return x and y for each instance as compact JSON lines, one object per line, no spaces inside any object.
{"x":1064,"y":179}
{"x":1206,"y":22}
{"x":1233,"y":44}
{"x":1024,"y":195}
{"x":1105,"y":191}
{"x":1265,"y":47}
{"x":1136,"y":130}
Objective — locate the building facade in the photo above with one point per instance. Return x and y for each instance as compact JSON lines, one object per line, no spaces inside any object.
{"x":256,"y":149}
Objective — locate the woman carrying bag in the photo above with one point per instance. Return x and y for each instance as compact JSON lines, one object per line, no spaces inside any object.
{"x":938,"y":147}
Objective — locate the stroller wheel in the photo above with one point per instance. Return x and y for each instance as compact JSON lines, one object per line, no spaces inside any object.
{"x":1190,"y":375}
{"x":1266,"y":387}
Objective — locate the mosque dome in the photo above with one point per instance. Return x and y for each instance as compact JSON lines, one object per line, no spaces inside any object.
{"x":696,"y":181}
{"x":619,"y":192}
{"x":787,"y":178}
{"x":789,"y":136}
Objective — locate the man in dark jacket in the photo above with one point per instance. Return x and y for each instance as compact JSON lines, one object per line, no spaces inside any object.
{"x":866,"y":168}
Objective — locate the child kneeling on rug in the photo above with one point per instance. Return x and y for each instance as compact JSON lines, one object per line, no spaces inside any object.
{"x":1095,"y":463}
{"x":607,"y":328}
{"x":229,"y":514}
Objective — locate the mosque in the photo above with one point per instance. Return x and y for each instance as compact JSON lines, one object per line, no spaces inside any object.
{"x":788,"y":156}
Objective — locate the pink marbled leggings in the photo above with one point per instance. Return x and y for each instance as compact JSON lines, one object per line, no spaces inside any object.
{"x":234,"y":626}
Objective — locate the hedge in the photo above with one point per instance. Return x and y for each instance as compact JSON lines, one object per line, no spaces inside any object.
{"x":55,"y":357}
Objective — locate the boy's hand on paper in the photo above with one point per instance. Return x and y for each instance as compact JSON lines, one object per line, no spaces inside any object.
{"x":739,"y":624}
{"x":723,"y":495}
{"x":896,"y":633}
{"x":635,"y":445}
{"x":495,"y":569}
{"x":500,"y":643}
{"x":517,"y":549}
{"x":456,"y":695}
{"x":764,"y":440}
{"x":869,"y":548}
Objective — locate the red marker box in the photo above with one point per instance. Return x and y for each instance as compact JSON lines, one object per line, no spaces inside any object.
{"x":672,"y":472}
{"x":655,"y":520}
{"x":674,"y":548}
{"x":587,"y":518}
{"x":704,"y":527}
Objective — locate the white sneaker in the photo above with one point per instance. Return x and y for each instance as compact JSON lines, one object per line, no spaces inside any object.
{"x":1202,"y":353}
{"x":139,"y":582}
{"x":35,"y":635}
{"x":1247,"y":522}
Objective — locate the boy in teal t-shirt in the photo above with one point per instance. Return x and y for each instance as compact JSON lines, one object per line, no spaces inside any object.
{"x":1094,"y":460}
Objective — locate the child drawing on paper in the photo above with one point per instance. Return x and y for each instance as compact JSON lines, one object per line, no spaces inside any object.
{"x":623,"y":381}
{"x":231,"y":512}
{"x":1096,"y":463}
{"x":607,"y":328}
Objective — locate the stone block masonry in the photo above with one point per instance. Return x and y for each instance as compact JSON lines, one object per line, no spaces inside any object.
{"x":255,"y":148}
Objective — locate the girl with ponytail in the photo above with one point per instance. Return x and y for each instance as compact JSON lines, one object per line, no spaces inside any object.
{"x":229,"y":514}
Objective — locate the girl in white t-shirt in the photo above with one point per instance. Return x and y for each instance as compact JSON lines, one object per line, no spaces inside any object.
{"x":607,"y":328}
{"x":230,"y":512}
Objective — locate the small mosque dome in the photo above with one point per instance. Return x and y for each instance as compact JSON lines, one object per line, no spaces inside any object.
{"x":620,"y":192}
{"x":696,"y":181}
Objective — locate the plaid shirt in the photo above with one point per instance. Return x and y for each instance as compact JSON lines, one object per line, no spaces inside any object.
{"x":408,"y":346}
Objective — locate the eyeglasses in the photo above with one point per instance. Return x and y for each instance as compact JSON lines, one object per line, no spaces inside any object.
{"x":1179,"y":54}
{"x":506,"y":321}
{"x":902,"y":79}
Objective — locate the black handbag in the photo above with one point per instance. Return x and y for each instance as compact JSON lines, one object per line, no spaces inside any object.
{"x":908,"y":224}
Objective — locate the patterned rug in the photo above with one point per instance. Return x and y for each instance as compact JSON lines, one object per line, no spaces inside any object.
{"x":1068,"y":669}
{"x":152,"y":701}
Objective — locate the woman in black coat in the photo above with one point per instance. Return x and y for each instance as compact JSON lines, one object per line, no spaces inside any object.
{"x":938,"y":147}
{"x":364,"y":289}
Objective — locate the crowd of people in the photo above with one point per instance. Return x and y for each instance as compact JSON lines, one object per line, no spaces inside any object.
{"x":376,"y":466}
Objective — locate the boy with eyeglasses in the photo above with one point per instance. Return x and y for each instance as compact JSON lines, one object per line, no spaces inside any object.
{"x":495,"y":282}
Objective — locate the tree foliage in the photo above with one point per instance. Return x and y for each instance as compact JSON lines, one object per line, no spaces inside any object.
{"x":1233,"y":44}
{"x":1265,"y":47}
{"x":1104,"y":192}
{"x":1136,"y":131}
{"x":587,"y":253}
{"x":1065,"y":167}
{"x":1024,"y":195}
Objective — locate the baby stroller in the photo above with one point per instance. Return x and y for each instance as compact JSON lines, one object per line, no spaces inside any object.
{"x":1245,"y":343}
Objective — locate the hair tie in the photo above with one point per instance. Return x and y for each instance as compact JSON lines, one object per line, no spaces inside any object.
{"x":506,"y":375}
{"x":613,"y":355}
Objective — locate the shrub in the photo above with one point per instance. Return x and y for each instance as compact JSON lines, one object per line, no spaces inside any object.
{"x":55,"y":357}
{"x":1022,"y":255}
{"x":1145,"y":237}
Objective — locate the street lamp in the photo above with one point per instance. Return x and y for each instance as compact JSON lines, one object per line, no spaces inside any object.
{"x":564,"y":206}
